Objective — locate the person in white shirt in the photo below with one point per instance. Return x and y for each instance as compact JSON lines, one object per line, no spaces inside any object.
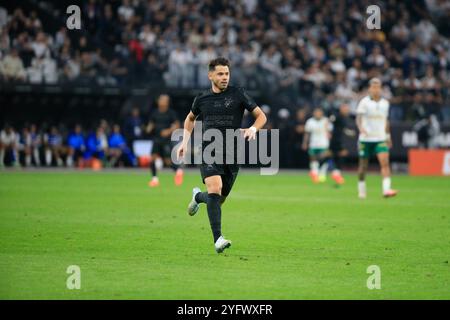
{"x":317,"y":135}
{"x":374,"y":137}
{"x":9,"y":141}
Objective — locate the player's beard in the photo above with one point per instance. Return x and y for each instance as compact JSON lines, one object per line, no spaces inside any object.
{"x":221,"y":86}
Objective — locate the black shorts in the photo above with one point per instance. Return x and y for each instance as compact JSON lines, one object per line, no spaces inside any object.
{"x":336,"y":146}
{"x":163,"y":148}
{"x":228,"y":173}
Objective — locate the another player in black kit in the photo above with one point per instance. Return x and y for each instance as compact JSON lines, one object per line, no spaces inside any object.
{"x":221,"y":107}
{"x":340,"y":128}
{"x":163,"y":121}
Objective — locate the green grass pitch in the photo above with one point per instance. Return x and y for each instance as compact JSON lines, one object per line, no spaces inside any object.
{"x":291,"y":239}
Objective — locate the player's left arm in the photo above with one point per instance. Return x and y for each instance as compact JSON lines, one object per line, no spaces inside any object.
{"x":260,"y":121}
{"x":388,"y":134}
{"x":167,"y":132}
{"x":174,"y":124}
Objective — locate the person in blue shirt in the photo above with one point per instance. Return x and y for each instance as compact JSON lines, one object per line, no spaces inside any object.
{"x":96,"y":145}
{"x":118,"y":148}
{"x":76,"y":146}
{"x":54,"y":148}
{"x":36,"y":143}
{"x":133,"y":127}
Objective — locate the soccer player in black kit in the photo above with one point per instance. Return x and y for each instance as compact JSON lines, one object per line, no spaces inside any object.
{"x":221,"y":107}
{"x":340,"y":128}
{"x":163,"y":121}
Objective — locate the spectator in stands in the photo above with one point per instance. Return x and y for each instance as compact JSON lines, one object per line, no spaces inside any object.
{"x":108,"y":30}
{"x":446,"y":112}
{"x":36,"y":70}
{"x":172,"y":41}
{"x":97,"y":145}
{"x":75,"y":146}
{"x":71,"y":65}
{"x":24,"y":145}
{"x":118,"y":149}
{"x":428,"y":130}
{"x":3,"y":17}
{"x":54,"y":148}
{"x":9,"y":141}
{"x":40,"y":46}
{"x":35,"y":144}
{"x":91,"y":14}
{"x":376,"y":58}
{"x":432,"y":105}
{"x":133,"y":127}
{"x":125,"y":11}
{"x":154,"y":70}
{"x":147,"y":37}
{"x":118,"y":70}
{"x":11,"y":67}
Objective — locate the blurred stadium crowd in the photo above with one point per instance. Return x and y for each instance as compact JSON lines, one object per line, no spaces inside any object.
{"x":299,"y":53}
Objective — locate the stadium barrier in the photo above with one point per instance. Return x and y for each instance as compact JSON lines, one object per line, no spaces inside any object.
{"x":424,"y":162}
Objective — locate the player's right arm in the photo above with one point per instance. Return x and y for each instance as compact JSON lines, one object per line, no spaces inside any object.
{"x":359,"y":124}
{"x":306,"y":135}
{"x":189,"y":124}
{"x":388,"y":134}
{"x":151,"y":125}
{"x":360,"y":111}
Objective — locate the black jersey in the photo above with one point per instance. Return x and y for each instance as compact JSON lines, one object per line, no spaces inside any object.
{"x":162,"y":120}
{"x":222,"y":110}
{"x":340,"y":122}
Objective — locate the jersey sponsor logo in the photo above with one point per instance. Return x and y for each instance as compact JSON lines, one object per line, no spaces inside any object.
{"x":228,"y":102}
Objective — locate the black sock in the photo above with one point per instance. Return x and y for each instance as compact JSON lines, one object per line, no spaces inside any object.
{"x":153,"y":168}
{"x":174,"y":166}
{"x":201,"y":197}
{"x":337,"y":162}
{"x":214,"y":214}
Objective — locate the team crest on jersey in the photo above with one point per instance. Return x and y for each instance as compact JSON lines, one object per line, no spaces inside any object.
{"x":228,"y":102}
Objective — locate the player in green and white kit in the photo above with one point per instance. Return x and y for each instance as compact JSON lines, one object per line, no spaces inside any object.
{"x":318,"y":133}
{"x":374,"y":138}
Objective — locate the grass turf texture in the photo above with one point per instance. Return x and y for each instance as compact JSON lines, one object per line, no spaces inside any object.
{"x":291,"y":239}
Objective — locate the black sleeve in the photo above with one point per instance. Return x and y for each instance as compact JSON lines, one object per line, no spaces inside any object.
{"x":247,"y":101}
{"x":195,"y":107}
{"x":174,"y":116}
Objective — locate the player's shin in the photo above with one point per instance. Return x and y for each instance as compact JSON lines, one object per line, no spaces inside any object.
{"x":314,"y":167}
{"x":337,"y":163}
{"x":386,"y":184}
{"x":362,"y":189}
{"x":153,"y":168}
{"x":214,"y":214}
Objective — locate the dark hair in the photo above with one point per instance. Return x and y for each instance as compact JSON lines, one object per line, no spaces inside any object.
{"x":220,"y":61}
